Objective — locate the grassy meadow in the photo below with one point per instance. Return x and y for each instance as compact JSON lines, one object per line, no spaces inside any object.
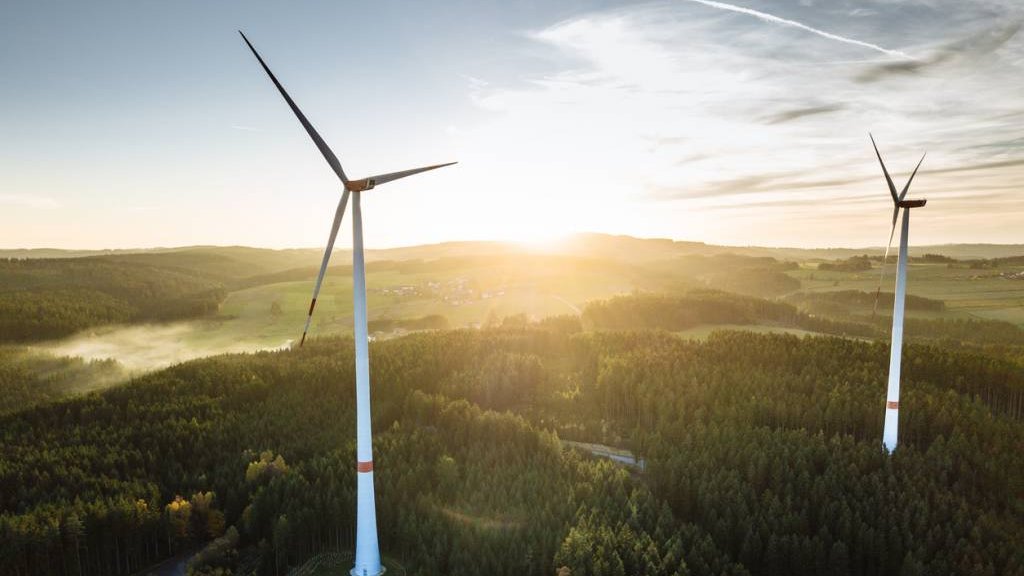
{"x":200,"y":301}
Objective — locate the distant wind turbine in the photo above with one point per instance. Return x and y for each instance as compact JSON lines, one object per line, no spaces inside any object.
{"x":367,"y":560}
{"x":892,"y":398}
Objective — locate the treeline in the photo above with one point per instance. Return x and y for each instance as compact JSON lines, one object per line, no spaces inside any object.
{"x":755,"y":282}
{"x":29,"y":377}
{"x":95,"y":485}
{"x":51,"y":298}
{"x":763,"y":457}
{"x":852,"y":264}
{"x":995,"y":262}
{"x":750,"y":275}
{"x":840,"y":301}
{"x":772,"y":444}
{"x":934,"y":259}
{"x":958,"y":330}
{"x":428,"y":322}
{"x":681,"y":312}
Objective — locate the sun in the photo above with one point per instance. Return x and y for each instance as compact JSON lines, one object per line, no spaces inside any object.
{"x":543,"y":241}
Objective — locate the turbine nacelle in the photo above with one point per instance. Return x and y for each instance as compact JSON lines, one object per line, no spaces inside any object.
{"x":898,"y":199}
{"x":361,"y":185}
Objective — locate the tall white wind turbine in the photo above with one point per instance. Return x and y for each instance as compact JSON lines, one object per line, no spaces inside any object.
{"x":367,"y":558}
{"x":892,"y":398}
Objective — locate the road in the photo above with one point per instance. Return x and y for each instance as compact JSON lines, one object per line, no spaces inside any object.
{"x":619,"y":455}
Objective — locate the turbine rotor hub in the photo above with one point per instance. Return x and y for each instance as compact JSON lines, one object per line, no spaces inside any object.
{"x":361,"y":185}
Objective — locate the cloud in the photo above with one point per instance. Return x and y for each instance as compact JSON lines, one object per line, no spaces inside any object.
{"x":862,"y":12}
{"x":648,"y":115}
{"x":28,"y":201}
{"x":976,"y":167}
{"x":961,"y":51}
{"x":754,"y":184}
{"x":797,"y":113}
{"x":474,"y":82}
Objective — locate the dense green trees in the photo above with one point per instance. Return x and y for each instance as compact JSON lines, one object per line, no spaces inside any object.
{"x":679,"y":312}
{"x":30,"y":377}
{"x":763,"y":457}
{"x":839,"y":302}
{"x":771,"y":443}
{"x":852,"y":264}
{"x":50,"y":298}
{"x":428,"y":322}
{"x":676,"y":312}
{"x":755,"y":282}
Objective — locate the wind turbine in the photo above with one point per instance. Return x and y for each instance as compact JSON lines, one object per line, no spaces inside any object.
{"x":367,"y":560}
{"x":892,"y":398}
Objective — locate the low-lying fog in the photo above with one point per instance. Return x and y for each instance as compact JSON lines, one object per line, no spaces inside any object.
{"x":153,"y":346}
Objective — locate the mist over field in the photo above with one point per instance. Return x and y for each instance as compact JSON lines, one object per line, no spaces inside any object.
{"x":149,"y":347}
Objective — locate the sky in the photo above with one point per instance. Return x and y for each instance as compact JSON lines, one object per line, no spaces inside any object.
{"x":145,"y":123}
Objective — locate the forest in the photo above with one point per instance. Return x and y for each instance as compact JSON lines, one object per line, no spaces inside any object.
{"x":762,"y":457}
{"x":50,"y":298}
{"x":761,"y":451}
{"x":826,"y":313}
{"x":29,"y":377}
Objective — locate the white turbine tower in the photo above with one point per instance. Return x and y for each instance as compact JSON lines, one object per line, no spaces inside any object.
{"x":892,"y":398}
{"x":367,"y":560}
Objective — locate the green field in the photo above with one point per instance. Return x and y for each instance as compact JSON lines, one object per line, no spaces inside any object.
{"x":968,"y":293}
{"x":705,"y":330}
{"x":557,"y":286}
{"x":478,"y":284}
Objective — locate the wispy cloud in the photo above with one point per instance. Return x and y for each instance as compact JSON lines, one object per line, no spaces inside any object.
{"x":654,"y":113}
{"x":793,"y":23}
{"x":979,"y":166}
{"x":755,"y":184}
{"x":802,"y":112}
{"x":474,"y":82}
{"x":28,"y":201}
{"x":964,"y":50}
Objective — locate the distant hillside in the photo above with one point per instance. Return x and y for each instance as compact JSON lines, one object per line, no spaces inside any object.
{"x":225,"y":263}
{"x":264,"y":291}
{"x":266,"y":261}
{"x":50,"y":298}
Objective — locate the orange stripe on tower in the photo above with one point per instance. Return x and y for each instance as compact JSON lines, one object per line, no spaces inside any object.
{"x":892,"y":405}
{"x":365,"y":466}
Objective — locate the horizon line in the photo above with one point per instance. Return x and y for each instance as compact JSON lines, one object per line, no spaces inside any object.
{"x":543,"y":246}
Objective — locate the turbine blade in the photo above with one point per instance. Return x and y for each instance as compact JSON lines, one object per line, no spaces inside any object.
{"x":385,"y":178}
{"x":324,"y":149}
{"x":339,"y":213}
{"x":888,"y":179}
{"x":881,"y":276}
{"x":907,"y":187}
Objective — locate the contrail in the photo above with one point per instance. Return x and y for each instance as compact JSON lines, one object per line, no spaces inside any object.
{"x":806,"y":28}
